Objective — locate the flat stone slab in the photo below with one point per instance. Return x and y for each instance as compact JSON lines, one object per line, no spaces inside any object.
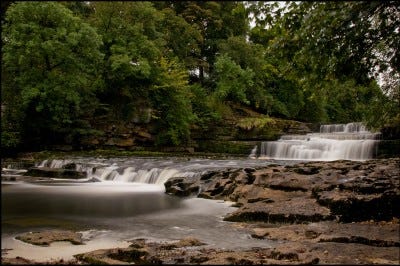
{"x":45,"y":238}
{"x":368,"y":233}
{"x":143,"y":252}
{"x":297,"y":210}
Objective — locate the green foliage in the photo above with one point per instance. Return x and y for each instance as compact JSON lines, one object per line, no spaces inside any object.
{"x":132,"y":48}
{"x":80,"y":9}
{"x":172,"y":96}
{"x":250,"y":56}
{"x":49,"y":62}
{"x":348,"y":44}
{"x":215,"y":21}
{"x":182,"y":39}
{"x":204,"y":109}
{"x":252,"y":122}
{"x":326,"y":54}
{"x":9,"y":140}
{"x":232,"y":80}
{"x":381,"y":112}
{"x":175,"y":66}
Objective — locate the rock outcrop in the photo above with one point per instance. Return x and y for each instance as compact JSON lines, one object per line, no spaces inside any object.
{"x":346,"y":191}
{"x":341,"y":212}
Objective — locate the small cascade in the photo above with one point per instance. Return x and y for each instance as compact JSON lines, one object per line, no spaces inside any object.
{"x":136,"y":172}
{"x":154,"y":175}
{"x":144,"y":170}
{"x":54,"y":163}
{"x":350,"y":141}
{"x":253,"y":153}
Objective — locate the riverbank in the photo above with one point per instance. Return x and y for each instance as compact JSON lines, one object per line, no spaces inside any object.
{"x":341,"y":212}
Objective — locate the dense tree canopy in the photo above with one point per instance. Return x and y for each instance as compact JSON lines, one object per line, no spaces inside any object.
{"x":49,"y":69}
{"x":348,"y":44}
{"x":174,"y":65}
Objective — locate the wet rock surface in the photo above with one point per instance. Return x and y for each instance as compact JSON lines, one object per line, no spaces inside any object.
{"x":346,"y":191}
{"x":45,"y":238}
{"x":342,"y":212}
{"x":179,"y":186}
{"x":292,"y":253}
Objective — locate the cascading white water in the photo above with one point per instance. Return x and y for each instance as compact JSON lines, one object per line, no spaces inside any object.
{"x":145,"y":170}
{"x":136,"y":171}
{"x":350,"y":141}
{"x":253,"y":153}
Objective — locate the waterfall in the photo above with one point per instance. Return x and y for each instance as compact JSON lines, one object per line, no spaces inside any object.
{"x":135,"y":172}
{"x":145,"y":170}
{"x":253,"y":153}
{"x":343,"y":128}
{"x":350,"y":141}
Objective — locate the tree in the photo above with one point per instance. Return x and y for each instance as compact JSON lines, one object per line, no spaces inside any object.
{"x":171,"y":94}
{"x":231,"y":80}
{"x":80,"y":9}
{"x":141,"y":69}
{"x":49,"y":66}
{"x":181,"y":39}
{"x":363,"y":41}
{"x":132,"y":46}
{"x":250,"y":56}
{"x":215,"y":21}
{"x":328,"y":51}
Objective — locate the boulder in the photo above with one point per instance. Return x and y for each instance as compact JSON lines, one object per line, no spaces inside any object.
{"x":179,"y":186}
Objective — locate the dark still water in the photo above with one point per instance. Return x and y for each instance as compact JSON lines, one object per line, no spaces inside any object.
{"x":110,"y":213}
{"x":77,"y":200}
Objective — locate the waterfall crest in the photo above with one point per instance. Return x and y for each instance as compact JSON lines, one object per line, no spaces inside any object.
{"x":146,"y":170}
{"x":136,"y":172}
{"x":350,"y":141}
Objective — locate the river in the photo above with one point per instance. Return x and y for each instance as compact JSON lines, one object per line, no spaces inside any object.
{"x":128,"y":201}
{"x":124,"y":198}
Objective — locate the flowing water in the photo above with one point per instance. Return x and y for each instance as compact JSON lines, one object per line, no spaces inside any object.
{"x":119,"y":200}
{"x":124,"y":198}
{"x":350,"y":141}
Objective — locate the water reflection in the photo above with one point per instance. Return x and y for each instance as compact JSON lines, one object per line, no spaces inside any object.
{"x":85,"y":200}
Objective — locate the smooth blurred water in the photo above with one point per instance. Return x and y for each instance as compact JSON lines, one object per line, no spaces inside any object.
{"x":349,"y":141}
{"x":148,"y":170}
{"x":117,"y":209}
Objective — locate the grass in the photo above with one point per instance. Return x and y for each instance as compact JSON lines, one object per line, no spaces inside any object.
{"x":249,"y":123}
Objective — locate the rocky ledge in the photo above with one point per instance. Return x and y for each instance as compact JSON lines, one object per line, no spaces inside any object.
{"x":343,"y":191}
{"x":326,"y":212}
